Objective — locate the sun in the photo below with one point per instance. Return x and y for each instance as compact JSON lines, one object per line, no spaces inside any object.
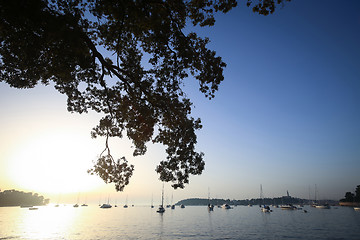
{"x":54,"y":162}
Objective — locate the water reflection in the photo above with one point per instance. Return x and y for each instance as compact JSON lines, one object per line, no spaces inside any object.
{"x":210,"y":224}
{"x":48,"y":222}
{"x":191,"y":223}
{"x":161,"y":225}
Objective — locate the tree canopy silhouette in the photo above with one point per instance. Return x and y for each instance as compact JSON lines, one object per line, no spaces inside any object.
{"x":18,"y":198}
{"x":124,"y":59}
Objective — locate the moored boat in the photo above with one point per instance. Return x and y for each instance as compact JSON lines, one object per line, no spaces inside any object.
{"x":288,"y":207}
{"x":265,"y":209}
{"x":106,"y":205}
{"x":210,"y":207}
{"x":323,"y":206}
{"x":226,"y":206}
{"x":161,"y":208}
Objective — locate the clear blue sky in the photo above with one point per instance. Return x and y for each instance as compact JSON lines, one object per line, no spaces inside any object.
{"x":287,"y":115}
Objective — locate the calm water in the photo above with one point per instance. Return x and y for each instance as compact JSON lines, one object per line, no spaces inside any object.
{"x":242,"y":222}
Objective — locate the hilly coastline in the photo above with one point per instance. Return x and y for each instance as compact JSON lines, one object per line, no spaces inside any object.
{"x":10,"y":198}
{"x":258,"y":201}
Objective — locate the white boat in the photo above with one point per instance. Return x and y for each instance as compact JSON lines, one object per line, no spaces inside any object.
{"x":226,"y":206}
{"x":210,"y":206}
{"x":161,"y":208}
{"x":265,"y":209}
{"x":182,"y":206}
{"x":357,"y":208}
{"x":323,"y":206}
{"x":288,"y":207}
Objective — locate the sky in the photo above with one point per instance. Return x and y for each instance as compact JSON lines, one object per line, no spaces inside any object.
{"x":286,"y":116}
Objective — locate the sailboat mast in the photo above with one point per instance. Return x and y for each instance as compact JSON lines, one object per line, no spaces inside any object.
{"x":208,"y":195}
{"x":261,"y":194}
{"x":162,"y":196}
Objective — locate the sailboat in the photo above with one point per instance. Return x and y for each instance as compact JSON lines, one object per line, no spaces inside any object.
{"x":323,"y":206}
{"x":106,"y":205}
{"x":126,"y":206}
{"x":84,"y":204}
{"x":315,"y":201}
{"x":161,"y":207}
{"x":210,"y":206}
{"x":57,"y":204}
{"x":152,"y":200}
{"x":317,"y":205}
{"x":172,"y":205}
{"x":264,"y":208}
{"x":288,"y":206}
{"x":77,"y":203}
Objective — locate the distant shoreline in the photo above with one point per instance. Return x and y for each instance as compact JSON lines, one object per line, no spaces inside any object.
{"x":15,"y":198}
{"x":350,"y":204}
{"x":258,"y":201}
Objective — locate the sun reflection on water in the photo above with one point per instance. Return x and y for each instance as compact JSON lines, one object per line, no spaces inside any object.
{"x":48,"y":222}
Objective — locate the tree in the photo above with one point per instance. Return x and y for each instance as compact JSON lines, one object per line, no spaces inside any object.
{"x":349,"y":197}
{"x":357,"y":194}
{"x":126,"y":60}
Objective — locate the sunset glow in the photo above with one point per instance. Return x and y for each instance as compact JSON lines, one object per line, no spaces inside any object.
{"x":53,"y":163}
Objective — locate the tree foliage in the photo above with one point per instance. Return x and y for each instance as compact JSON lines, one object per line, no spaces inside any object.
{"x":126,"y":60}
{"x":357,"y":193}
{"x":352,"y":197}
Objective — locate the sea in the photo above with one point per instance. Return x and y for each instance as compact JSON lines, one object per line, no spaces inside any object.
{"x":191,"y":222}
